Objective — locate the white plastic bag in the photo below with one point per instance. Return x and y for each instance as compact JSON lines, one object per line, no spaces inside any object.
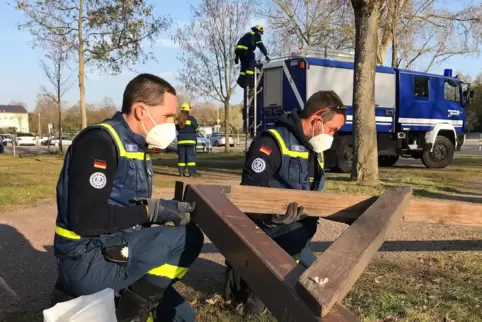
{"x":97,"y":307}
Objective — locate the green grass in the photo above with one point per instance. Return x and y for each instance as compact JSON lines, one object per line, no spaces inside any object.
{"x":441,"y":288}
{"x":27,"y":180}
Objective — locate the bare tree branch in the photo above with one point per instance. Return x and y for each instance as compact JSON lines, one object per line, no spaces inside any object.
{"x":208,"y":44}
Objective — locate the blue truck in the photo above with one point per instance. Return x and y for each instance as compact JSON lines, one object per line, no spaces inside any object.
{"x":418,"y":115}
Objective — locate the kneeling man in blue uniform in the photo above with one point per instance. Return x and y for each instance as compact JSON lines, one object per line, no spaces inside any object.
{"x":289,"y":156}
{"x":105,"y":237}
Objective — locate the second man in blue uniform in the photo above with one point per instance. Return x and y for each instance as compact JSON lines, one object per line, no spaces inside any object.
{"x":187,"y":128}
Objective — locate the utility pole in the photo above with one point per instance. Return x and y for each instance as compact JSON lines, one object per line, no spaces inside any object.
{"x":39,"y":129}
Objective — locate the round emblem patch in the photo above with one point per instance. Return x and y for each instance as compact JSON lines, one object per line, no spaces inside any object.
{"x":98,"y":180}
{"x":258,"y":165}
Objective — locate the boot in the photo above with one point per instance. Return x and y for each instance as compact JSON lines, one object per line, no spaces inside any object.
{"x":132,"y":308}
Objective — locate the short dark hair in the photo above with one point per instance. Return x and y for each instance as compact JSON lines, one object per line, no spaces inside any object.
{"x":321,"y":100}
{"x":145,"y":88}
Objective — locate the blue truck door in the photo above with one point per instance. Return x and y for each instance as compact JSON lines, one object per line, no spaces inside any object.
{"x":415,"y":102}
{"x":454,"y":110}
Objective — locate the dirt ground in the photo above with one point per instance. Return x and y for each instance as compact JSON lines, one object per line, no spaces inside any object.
{"x":28,"y":267}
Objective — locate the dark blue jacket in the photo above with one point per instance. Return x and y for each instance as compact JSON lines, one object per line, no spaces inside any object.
{"x":295,"y":157}
{"x":187,"y":135}
{"x":249,"y":42}
{"x":132,"y":179}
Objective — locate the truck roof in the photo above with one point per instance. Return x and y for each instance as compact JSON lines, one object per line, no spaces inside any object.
{"x":316,"y":61}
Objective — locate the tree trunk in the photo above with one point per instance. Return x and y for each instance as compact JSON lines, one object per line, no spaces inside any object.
{"x":61,"y":149}
{"x":394,"y":9}
{"x":365,"y":165}
{"x":226,"y":122}
{"x":83,"y":112}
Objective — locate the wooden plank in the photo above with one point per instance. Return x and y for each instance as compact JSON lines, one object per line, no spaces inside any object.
{"x":333,"y":274}
{"x":347,"y":208}
{"x":267,"y":268}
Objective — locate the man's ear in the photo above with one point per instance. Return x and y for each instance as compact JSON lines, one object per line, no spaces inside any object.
{"x":138,"y":111}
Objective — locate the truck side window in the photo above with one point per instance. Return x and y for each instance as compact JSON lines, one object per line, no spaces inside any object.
{"x":451,"y":91}
{"x":421,"y":87}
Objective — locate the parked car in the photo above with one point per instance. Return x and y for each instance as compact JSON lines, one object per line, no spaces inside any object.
{"x":25,"y":139}
{"x":1,"y":144}
{"x":203,"y":144}
{"x":6,"y":140}
{"x":65,"y":141}
{"x":219,"y":139}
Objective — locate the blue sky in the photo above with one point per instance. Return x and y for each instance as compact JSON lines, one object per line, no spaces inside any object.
{"x":21,"y":75}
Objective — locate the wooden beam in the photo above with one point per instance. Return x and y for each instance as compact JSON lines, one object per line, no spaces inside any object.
{"x":269,"y":270}
{"x":347,"y":208}
{"x":332,"y":275}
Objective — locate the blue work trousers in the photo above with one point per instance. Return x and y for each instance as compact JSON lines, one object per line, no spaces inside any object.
{"x":186,"y":158}
{"x":161,"y":254}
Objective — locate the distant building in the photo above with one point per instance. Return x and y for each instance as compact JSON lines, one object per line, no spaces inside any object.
{"x":14,"y":116}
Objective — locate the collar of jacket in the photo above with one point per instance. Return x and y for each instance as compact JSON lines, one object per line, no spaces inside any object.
{"x":139,"y":139}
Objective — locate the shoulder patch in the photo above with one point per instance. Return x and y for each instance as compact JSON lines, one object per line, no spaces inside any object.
{"x":265,"y":150}
{"x":298,"y":148}
{"x":131,"y":147}
{"x":258,"y":165}
{"x":100,"y":164}
{"x":98,"y":180}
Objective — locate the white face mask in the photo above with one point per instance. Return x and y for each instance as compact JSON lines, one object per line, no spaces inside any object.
{"x":321,"y":142}
{"x":161,"y":135}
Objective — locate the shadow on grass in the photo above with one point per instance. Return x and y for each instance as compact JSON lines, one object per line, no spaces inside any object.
{"x":436,"y":195}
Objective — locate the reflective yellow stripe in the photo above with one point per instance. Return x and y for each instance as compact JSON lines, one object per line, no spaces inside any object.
{"x":249,"y":72}
{"x":120,"y":146}
{"x":181,"y":164}
{"x":241,"y":47}
{"x":66,"y":233}
{"x":297,"y":261}
{"x":150,"y":318}
{"x":312,"y":179}
{"x":284,"y":149}
{"x":242,"y":73}
{"x":322,"y":162}
{"x":188,"y":122}
{"x":187,"y":142}
{"x":251,"y":32}
{"x":197,"y":129}
{"x":169,"y":271}
{"x":191,"y":164}
{"x":259,"y":42}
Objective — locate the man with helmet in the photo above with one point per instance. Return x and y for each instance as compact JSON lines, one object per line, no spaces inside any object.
{"x":245,"y":54}
{"x":186,"y":127}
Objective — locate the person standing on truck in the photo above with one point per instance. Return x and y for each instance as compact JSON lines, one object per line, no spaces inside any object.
{"x":289,"y":156}
{"x":104,"y":235}
{"x":187,"y":128}
{"x":245,"y":54}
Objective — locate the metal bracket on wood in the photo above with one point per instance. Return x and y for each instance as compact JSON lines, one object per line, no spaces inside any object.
{"x":291,"y":292}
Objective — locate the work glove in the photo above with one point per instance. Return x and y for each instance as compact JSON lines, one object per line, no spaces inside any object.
{"x":267,"y":59}
{"x":168,"y":212}
{"x":236,"y":60}
{"x":293,"y":213}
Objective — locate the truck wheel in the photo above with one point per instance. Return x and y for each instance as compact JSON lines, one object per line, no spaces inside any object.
{"x":344,"y":157}
{"x":387,"y":160}
{"x":441,"y":155}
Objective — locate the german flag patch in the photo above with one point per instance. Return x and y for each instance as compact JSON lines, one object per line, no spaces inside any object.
{"x":265,"y":150}
{"x":100,"y":164}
